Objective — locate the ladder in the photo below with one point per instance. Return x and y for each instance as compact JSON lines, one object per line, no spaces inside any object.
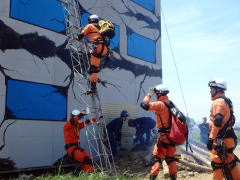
{"x":97,"y":139}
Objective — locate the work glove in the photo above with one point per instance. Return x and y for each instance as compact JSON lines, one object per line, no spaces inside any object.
{"x":150,"y":92}
{"x":79,"y":37}
{"x":94,"y":120}
{"x":210,"y":144}
{"x":88,"y":121}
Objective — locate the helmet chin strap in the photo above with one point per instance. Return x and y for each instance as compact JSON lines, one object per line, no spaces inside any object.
{"x":158,"y":95}
{"x":217,"y":91}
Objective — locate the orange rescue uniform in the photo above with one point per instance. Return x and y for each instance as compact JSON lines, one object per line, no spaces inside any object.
{"x":71,"y":136}
{"x":219,"y":106}
{"x":163,"y":147}
{"x":99,"y":50}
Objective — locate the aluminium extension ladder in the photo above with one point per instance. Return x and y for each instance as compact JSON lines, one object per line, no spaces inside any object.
{"x":97,"y":138}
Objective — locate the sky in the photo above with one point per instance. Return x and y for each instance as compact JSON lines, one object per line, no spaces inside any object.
{"x":205,"y":38}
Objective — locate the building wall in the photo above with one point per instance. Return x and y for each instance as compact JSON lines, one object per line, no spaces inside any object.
{"x":37,"y":92}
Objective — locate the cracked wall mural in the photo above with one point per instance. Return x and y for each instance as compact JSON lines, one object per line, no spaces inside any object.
{"x":37,"y":88}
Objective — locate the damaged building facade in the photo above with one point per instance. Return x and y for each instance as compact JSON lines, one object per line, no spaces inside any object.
{"x":37,"y":90}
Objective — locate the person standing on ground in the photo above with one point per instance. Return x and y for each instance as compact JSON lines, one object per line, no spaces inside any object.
{"x":163,"y":149}
{"x":204,"y":130}
{"x":222,"y":139}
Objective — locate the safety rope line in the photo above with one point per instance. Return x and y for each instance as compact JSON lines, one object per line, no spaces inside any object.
{"x":179,"y":81}
{"x":174,"y":61}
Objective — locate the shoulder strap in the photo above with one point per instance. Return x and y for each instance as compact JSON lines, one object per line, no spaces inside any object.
{"x":169,"y":106}
{"x":223,"y":131}
{"x":169,"y":114}
{"x":173,"y":110}
{"x":97,"y":26}
{"x":229,"y":103}
{"x":161,"y":122}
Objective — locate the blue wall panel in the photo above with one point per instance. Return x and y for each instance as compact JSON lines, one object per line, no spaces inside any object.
{"x":84,"y":19}
{"x":114,"y":42}
{"x":148,"y":4}
{"x":45,"y":13}
{"x":27,"y":100}
{"x":141,"y":47}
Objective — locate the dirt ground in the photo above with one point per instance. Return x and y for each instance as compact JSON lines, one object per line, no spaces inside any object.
{"x":135,"y":163}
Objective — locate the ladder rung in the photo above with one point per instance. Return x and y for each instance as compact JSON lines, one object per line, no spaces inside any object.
{"x":95,"y":139}
{"x":73,"y":48}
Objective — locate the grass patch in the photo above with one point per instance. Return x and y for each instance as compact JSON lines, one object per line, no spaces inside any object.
{"x":84,"y":176}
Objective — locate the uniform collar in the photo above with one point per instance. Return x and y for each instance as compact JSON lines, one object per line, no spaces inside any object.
{"x":218,"y":95}
{"x":163,"y":98}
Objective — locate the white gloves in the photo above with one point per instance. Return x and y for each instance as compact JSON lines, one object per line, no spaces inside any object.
{"x":150,"y":92}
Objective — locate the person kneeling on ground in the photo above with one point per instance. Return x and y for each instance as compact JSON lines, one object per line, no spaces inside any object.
{"x":71,"y":135}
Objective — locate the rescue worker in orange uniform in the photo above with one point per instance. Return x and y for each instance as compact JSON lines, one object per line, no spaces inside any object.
{"x":222,"y":139}
{"x":71,"y":135}
{"x":163,"y":148}
{"x":99,"y":48}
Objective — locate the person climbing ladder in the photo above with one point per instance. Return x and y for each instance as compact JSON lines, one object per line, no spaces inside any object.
{"x":98,"y":39}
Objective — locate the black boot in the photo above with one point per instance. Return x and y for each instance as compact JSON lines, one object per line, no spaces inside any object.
{"x":173,"y":176}
{"x":152,"y":177}
{"x":93,"y":89}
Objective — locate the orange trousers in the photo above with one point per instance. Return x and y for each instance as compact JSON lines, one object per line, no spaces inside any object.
{"x":95,"y":61}
{"x":235,"y":171}
{"x":161,"y":151}
{"x":80,"y":156}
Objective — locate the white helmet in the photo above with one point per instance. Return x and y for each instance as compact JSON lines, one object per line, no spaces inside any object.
{"x":161,"y":89}
{"x":77,"y":112}
{"x":93,"y":18}
{"x":218,"y":83}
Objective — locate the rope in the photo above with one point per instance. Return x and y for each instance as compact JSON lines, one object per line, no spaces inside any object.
{"x":175,"y":64}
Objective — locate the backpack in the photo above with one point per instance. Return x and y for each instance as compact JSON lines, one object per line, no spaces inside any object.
{"x":178,"y":133}
{"x":227,"y":130}
{"x":107,"y":28}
